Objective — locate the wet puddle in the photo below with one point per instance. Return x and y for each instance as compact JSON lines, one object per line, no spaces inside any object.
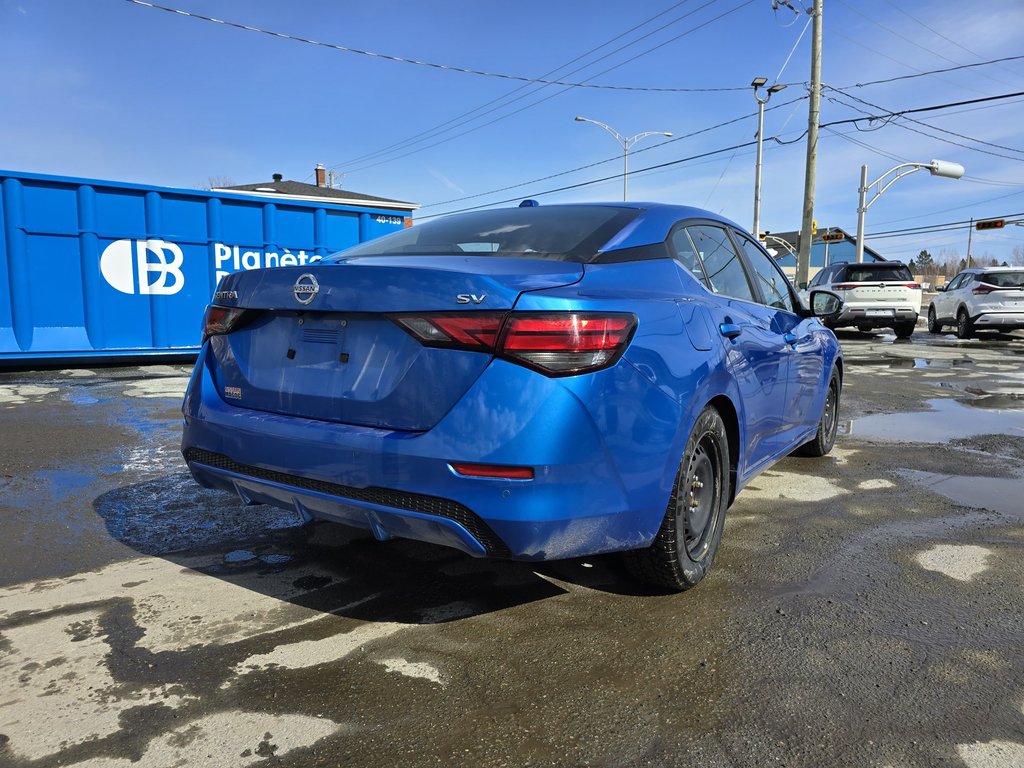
{"x":910,"y":362}
{"x":948,"y":420}
{"x":996,"y":494}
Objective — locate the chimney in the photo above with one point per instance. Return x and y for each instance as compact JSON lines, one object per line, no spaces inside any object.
{"x":278,"y":177}
{"x":321,"y":175}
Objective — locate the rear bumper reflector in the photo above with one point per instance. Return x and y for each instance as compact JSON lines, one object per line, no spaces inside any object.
{"x":499,"y":471}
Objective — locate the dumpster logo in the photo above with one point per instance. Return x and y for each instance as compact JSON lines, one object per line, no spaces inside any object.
{"x":143,"y":266}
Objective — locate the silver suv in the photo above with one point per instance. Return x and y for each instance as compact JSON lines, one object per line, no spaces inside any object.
{"x":875,"y":294}
{"x":979,"y":298}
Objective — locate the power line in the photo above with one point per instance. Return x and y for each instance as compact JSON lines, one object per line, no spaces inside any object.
{"x":432,"y":65}
{"x":777,"y":140}
{"x":944,"y":227}
{"x":933,"y":71}
{"x":559,"y":93}
{"x":949,"y":40}
{"x":598,"y":181}
{"x":439,"y":128}
{"x":935,"y":127}
{"x":612,"y":159}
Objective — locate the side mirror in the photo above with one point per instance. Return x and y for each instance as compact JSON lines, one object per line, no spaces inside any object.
{"x":825,"y":304}
{"x":940,"y":288}
{"x":803,"y":286}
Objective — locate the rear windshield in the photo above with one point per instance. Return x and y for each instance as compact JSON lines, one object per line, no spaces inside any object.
{"x":560,"y":233}
{"x":1003,"y":279}
{"x":875,"y":273}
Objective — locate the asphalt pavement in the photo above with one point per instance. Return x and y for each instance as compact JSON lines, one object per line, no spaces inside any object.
{"x":865,"y":609}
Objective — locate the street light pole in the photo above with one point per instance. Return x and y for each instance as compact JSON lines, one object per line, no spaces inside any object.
{"x":758,"y":82}
{"x":941,"y":168}
{"x":626,"y":143}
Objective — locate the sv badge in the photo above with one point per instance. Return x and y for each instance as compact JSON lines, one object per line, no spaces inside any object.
{"x":470,"y":298}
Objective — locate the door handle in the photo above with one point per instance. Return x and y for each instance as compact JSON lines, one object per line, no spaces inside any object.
{"x":730,"y":330}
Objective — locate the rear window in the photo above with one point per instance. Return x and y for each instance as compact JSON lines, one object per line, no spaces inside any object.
{"x":559,"y":233}
{"x":876,"y":273}
{"x":1003,"y":279}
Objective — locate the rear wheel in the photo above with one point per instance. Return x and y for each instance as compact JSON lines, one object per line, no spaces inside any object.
{"x":934,"y":326}
{"x":964,"y":326}
{"x":904,"y":330}
{"x":828,"y":424}
{"x":685,"y":546}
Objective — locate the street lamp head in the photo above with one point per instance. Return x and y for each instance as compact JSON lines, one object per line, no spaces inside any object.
{"x":946,"y":169}
{"x":580,"y":119}
{"x":776,"y":88}
{"x":758,"y":82}
{"x":667,"y":133}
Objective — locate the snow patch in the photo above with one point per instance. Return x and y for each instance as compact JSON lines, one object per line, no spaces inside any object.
{"x":419,"y":670}
{"x":958,"y":561}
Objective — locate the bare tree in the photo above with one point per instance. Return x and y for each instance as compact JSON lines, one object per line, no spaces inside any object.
{"x":217,"y":182}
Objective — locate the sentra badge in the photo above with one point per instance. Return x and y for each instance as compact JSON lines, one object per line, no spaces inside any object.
{"x":306,"y":288}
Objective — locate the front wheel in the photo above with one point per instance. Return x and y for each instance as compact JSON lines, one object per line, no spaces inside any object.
{"x":964,"y":326}
{"x":934,"y":326}
{"x":686,"y":543}
{"x":828,"y":424}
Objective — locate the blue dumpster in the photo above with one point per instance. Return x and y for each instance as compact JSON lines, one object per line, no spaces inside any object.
{"x":103,"y":269}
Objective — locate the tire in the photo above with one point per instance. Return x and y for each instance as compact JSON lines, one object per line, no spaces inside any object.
{"x":685,"y":545}
{"x":828,"y":424}
{"x":904,"y":330}
{"x":964,"y":326}
{"x":865,"y":329}
{"x":934,"y":326}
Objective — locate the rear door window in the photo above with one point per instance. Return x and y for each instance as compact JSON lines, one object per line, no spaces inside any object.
{"x":769,"y":278}
{"x":684,"y":252}
{"x":720,"y":261}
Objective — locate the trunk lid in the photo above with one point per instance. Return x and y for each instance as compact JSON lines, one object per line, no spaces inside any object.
{"x":329,"y":350}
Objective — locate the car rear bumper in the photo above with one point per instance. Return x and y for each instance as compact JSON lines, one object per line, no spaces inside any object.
{"x":1005,"y":320}
{"x":591,"y":493}
{"x":876,"y":317}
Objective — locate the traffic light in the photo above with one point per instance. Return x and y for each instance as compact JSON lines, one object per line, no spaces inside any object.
{"x":991,"y":224}
{"x":831,"y":237}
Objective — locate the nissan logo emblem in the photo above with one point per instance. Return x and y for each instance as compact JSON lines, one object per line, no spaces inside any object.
{"x":305,"y":289}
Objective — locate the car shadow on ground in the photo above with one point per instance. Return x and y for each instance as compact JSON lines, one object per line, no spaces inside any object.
{"x":333,"y":568}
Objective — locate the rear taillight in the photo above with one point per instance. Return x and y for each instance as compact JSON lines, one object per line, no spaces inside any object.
{"x":220,"y":320}
{"x":565,"y":343}
{"x":467,"y":330}
{"x":844,"y":286}
{"x":554,"y":343}
{"x":912,"y":285}
{"x":983,"y":288}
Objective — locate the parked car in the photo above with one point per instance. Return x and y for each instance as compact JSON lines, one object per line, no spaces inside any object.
{"x":531,"y":383}
{"x":979,"y":298}
{"x":879,"y":294}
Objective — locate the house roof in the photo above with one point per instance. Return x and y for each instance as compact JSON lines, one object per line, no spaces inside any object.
{"x":301,"y":191}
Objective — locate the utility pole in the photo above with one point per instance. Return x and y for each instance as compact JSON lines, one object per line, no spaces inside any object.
{"x":803,"y":262}
{"x":969,"y":233}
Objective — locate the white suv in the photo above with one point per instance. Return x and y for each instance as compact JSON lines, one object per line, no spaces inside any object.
{"x":989,"y":297}
{"x":875,"y":294}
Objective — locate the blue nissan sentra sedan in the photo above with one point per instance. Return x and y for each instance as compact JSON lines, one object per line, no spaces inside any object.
{"x":531,"y":383}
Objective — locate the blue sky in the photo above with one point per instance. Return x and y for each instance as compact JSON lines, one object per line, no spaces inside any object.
{"x":109,"y":89}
